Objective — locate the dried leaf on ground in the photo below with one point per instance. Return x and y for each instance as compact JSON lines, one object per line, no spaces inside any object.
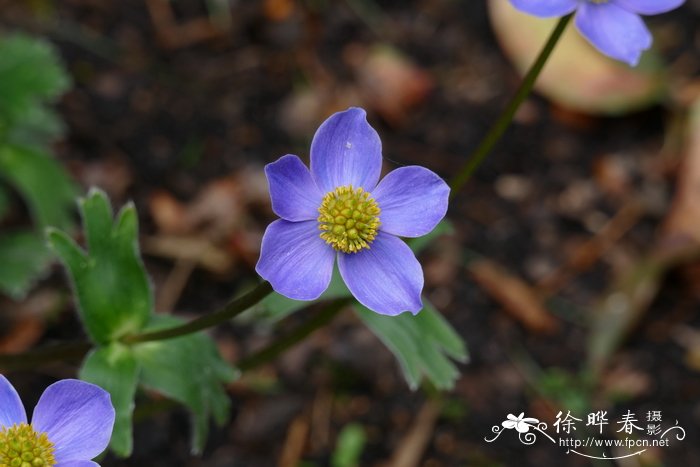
{"x":517,"y":298}
{"x":391,"y":83}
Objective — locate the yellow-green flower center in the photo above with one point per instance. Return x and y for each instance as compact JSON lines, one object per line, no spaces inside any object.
{"x":21,"y":446}
{"x":348,"y":219}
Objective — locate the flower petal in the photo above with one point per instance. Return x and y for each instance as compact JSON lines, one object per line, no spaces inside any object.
{"x":295,"y":260}
{"x":649,"y":7}
{"x":545,"y":8}
{"x":346,"y":151}
{"x":614,"y":31}
{"x":412,"y":199}
{"x":294,"y":194}
{"x":11,"y":408}
{"x":386,"y":278}
{"x":78,"y":418}
{"x":509,"y":424}
{"x":78,"y":464}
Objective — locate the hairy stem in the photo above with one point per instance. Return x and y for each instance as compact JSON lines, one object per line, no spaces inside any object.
{"x":506,"y":117}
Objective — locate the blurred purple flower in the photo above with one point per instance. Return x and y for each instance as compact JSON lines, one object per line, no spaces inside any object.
{"x":72,"y":423}
{"x":612,"y":26}
{"x":338,"y":210}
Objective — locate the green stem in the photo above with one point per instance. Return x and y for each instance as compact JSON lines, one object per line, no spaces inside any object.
{"x":276,"y":348}
{"x":231,"y":310}
{"x":506,"y":117}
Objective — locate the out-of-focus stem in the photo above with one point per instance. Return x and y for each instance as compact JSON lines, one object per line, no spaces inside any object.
{"x":506,"y":117}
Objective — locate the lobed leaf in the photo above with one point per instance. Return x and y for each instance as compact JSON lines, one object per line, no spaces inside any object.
{"x":42,"y":182}
{"x":423,"y":344}
{"x":189,"y":370}
{"x":110,"y":281}
{"x":30,"y":74}
{"x":115,"y":369}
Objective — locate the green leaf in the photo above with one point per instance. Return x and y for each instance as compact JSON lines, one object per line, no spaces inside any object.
{"x":110,"y":282}
{"x":42,"y":182}
{"x":39,"y":127}
{"x":423,"y":344}
{"x":189,"y":370}
{"x":115,"y":370}
{"x":24,"y":257}
{"x":348,"y":450}
{"x":30,"y":74}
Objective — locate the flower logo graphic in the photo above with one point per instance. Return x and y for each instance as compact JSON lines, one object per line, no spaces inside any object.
{"x":521,"y":424}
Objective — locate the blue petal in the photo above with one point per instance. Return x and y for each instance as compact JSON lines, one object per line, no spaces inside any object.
{"x":412,"y":201}
{"x":545,"y":8}
{"x":614,"y":31}
{"x":294,"y":194}
{"x":346,"y":151}
{"x":78,"y":464}
{"x":78,"y":418}
{"x":649,"y":7}
{"x":11,"y":408}
{"x":386,"y":278}
{"x":295,"y":260}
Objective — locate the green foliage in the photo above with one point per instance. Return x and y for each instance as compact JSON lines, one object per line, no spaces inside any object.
{"x":115,"y":300}
{"x":24,"y":257}
{"x":49,"y":195}
{"x":115,"y":369}
{"x":566,"y":389}
{"x":423,"y":344}
{"x":189,"y":370}
{"x":42,"y":183}
{"x":348,"y":449}
{"x":31,"y":76}
{"x":109,"y":280}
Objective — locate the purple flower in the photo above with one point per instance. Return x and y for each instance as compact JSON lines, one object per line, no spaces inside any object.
{"x":72,"y":423}
{"x":612,"y":26}
{"x":338,"y":210}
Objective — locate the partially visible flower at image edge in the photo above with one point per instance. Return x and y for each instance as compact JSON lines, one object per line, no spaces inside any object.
{"x":614,"y":27}
{"x":71,"y":424}
{"x":340,"y":209}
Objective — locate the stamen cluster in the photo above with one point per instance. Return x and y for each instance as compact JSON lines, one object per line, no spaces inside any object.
{"x":349,"y":219}
{"x":21,"y":446}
